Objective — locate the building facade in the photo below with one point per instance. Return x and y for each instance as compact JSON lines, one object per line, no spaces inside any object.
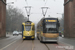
{"x":2,"y":18}
{"x":69,"y":18}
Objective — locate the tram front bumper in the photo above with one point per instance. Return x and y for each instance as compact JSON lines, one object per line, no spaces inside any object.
{"x":45,"y":39}
{"x":28,"y":37}
{"x":23,"y":37}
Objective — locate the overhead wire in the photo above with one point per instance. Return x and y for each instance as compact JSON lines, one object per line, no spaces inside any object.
{"x":26,"y":2}
{"x":15,"y":0}
{"x":45,"y":2}
{"x":45,"y":5}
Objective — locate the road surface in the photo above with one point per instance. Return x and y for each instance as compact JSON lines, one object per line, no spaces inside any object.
{"x":16,"y":43}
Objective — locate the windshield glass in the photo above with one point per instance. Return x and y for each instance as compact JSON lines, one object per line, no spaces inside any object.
{"x":51,"y":28}
{"x":28,"y":28}
{"x":51,"y":25}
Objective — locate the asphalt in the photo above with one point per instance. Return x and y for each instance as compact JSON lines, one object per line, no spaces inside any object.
{"x":16,"y":43}
{"x":70,"y":41}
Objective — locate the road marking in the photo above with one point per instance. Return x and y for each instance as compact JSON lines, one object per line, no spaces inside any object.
{"x":19,"y":45}
{"x":7,"y":45}
{"x":32,"y":45}
{"x":47,"y":46}
{"x":65,"y":43}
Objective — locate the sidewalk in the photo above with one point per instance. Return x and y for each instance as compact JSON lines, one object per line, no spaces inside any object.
{"x":70,"y":41}
{"x":7,"y":36}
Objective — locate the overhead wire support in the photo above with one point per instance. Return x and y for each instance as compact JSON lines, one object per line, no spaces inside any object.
{"x":44,"y":12}
{"x":45,"y":2}
{"x":26,"y":2}
{"x":28,"y":8}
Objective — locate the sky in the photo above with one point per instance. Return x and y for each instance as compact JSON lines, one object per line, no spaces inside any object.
{"x":55,"y":6}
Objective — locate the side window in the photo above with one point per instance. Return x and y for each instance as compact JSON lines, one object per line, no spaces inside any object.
{"x":22,"y":27}
{"x":33,"y":28}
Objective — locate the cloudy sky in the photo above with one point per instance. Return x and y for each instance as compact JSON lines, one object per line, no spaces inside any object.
{"x":55,"y":6}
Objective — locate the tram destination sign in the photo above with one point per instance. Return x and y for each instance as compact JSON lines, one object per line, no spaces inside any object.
{"x":27,"y":23}
{"x":51,"y":20}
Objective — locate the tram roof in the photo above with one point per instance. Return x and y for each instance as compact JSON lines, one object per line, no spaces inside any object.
{"x":28,"y":21}
{"x":52,"y":18}
{"x":49,"y":18}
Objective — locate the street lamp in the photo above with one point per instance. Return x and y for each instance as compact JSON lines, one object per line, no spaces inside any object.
{"x":11,"y":3}
{"x":61,"y":14}
{"x":6,"y":3}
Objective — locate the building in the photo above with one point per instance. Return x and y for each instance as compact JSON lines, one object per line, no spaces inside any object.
{"x":69,"y":18}
{"x":2,"y":18}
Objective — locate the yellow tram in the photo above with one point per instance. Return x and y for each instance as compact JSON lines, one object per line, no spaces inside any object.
{"x":48,"y":30}
{"x":28,"y":30}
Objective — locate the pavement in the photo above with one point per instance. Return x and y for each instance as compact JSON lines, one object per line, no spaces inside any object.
{"x":70,"y":41}
{"x":16,"y":43}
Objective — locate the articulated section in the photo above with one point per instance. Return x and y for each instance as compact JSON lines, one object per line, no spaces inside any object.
{"x":69,"y":18}
{"x":2,"y":18}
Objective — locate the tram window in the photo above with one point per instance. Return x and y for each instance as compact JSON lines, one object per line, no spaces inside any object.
{"x":28,"y":28}
{"x":51,"y":25}
{"x":51,"y":30}
{"x":22,"y":28}
{"x":33,"y":28}
{"x":41,"y":28}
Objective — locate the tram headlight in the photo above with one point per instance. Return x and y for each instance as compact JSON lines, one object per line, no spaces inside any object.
{"x":28,"y":33}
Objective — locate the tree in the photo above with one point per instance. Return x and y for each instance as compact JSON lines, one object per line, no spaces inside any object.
{"x":14,"y":19}
{"x":62,"y":23}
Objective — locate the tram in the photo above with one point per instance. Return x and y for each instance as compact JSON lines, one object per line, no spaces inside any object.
{"x":28,"y":30}
{"x":48,"y":30}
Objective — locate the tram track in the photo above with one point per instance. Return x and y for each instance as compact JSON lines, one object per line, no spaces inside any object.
{"x":46,"y":46}
{"x":10,"y":42}
{"x":57,"y":44}
{"x":32,"y":45}
{"x":19,"y":45}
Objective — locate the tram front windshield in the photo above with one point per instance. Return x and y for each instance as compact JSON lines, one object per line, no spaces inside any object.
{"x":28,"y":28}
{"x":51,"y":28}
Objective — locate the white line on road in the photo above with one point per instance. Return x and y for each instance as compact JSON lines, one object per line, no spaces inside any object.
{"x":17,"y":47}
{"x":67,"y":44}
{"x":7,"y":45}
{"x":32,"y":45}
